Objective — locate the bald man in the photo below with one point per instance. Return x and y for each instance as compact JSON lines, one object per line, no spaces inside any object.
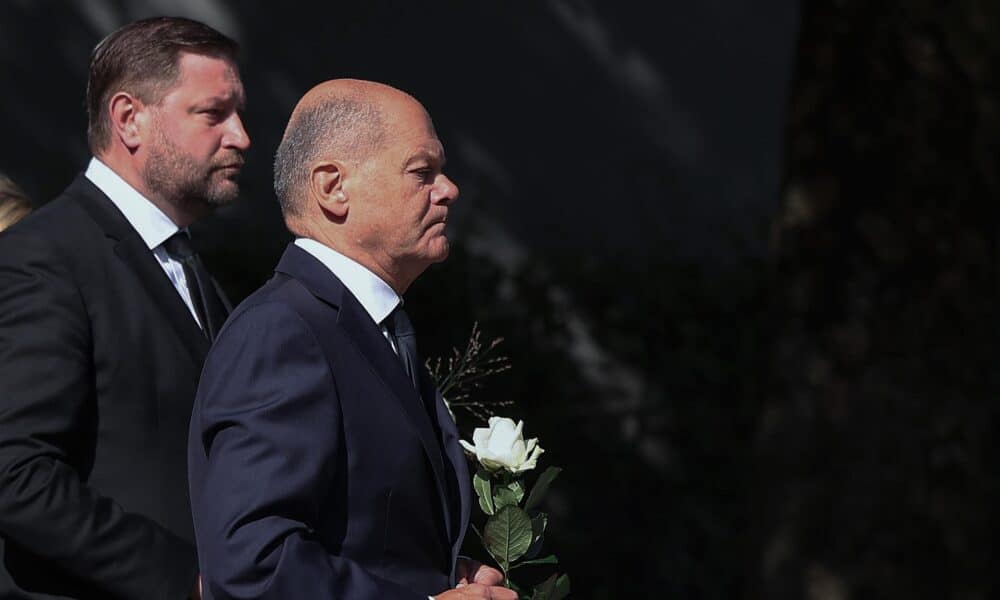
{"x":323,"y":463}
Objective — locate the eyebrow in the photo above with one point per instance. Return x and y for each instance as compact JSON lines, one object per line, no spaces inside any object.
{"x":240,"y":99}
{"x":429,"y":156}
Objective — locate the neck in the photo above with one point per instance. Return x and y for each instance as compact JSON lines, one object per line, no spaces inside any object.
{"x":396,"y":279}
{"x":181,"y":213}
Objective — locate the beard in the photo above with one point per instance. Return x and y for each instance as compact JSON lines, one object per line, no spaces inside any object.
{"x":188,"y":183}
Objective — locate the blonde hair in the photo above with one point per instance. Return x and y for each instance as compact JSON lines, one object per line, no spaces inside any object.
{"x":14,"y":203}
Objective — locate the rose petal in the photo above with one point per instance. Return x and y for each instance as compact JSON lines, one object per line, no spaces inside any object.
{"x":480,"y":436}
{"x":532,"y":460}
{"x":503,"y":434}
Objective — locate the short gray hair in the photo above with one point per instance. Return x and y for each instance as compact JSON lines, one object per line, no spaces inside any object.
{"x":342,"y":128}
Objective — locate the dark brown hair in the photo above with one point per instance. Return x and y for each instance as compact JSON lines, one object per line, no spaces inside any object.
{"x":142,"y":59}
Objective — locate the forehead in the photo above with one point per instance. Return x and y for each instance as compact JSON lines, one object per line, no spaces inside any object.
{"x":207,"y":76}
{"x":412,"y":133}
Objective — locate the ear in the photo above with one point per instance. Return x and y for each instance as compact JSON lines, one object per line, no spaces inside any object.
{"x":128,"y":119}
{"x":326,"y":186}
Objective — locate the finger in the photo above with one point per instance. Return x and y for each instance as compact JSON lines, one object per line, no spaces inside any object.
{"x":466,"y":569}
{"x":488,"y":576}
{"x":482,"y":591}
{"x":501,"y":593}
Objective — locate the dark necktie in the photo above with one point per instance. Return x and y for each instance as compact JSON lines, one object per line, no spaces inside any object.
{"x":207,"y":303}
{"x":401,"y":329}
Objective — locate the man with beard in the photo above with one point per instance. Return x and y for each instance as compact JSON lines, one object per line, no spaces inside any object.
{"x":106,"y":315}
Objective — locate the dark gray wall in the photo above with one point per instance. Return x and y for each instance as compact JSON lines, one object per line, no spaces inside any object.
{"x":619,"y":164}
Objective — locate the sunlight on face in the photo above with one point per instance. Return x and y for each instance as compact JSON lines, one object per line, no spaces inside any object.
{"x":197,"y":140}
{"x":406,"y":195}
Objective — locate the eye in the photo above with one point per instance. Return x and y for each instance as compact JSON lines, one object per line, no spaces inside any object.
{"x":214,"y":114}
{"x":425,"y":174}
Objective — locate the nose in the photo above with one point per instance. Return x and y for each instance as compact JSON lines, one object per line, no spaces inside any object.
{"x":236,"y":136}
{"x":447,"y":191}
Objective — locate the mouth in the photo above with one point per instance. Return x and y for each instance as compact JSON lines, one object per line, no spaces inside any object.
{"x":231,"y":171}
{"x":235,"y":162}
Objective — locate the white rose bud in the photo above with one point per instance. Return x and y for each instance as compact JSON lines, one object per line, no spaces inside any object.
{"x":502,"y":446}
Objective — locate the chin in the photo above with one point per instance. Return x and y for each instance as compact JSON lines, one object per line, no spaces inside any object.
{"x":223,"y":194}
{"x":440,"y":251}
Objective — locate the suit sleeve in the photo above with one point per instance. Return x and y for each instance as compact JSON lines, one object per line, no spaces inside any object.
{"x":267,"y":422}
{"x":47,"y":415}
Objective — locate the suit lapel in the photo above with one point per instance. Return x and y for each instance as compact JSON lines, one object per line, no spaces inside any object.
{"x":133,"y":252}
{"x":373,"y":345}
{"x":456,"y":456}
{"x":368,"y":339}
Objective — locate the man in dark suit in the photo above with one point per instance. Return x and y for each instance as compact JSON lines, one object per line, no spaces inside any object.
{"x":323,"y":463}
{"x":106,"y":316}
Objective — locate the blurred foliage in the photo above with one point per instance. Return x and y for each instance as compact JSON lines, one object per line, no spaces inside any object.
{"x":877,"y":469}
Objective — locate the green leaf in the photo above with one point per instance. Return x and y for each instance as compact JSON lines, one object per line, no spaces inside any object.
{"x":538,"y":524}
{"x":504,"y":496}
{"x":548,"y":560}
{"x":507,"y":535}
{"x":510,"y":585}
{"x":481,"y":483}
{"x":516,"y":487}
{"x":541,"y":487}
{"x":544,"y":590}
{"x":561,"y":589}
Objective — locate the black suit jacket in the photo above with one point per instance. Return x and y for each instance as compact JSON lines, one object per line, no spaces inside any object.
{"x":317,"y":469}
{"x":99,"y":364}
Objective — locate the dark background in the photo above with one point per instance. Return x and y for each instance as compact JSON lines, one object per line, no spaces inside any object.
{"x":744,"y":256}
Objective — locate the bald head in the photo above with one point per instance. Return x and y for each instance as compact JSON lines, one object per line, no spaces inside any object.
{"x":341,"y":119}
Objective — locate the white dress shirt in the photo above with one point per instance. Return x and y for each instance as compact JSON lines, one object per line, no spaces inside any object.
{"x":153,"y":225}
{"x":376,"y":296}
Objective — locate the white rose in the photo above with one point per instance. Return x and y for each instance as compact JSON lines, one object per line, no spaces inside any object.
{"x":502,"y":446}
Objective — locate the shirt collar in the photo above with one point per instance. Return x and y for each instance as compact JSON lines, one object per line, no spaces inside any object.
{"x":153,"y":225}
{"x":375,"y":295}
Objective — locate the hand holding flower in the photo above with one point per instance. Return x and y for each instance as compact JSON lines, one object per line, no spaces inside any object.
{"x":513,"y":534}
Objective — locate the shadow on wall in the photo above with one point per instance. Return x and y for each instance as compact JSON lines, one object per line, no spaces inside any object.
{"x":619,"y":169}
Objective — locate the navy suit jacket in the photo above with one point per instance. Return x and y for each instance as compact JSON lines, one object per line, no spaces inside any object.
{"x":316,"y":468}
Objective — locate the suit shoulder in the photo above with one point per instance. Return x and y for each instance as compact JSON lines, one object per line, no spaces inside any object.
{"x":265,"y":332}
{"x":62,"y":217}
{"x":282,"y":293}
{"x":60,"y":228}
